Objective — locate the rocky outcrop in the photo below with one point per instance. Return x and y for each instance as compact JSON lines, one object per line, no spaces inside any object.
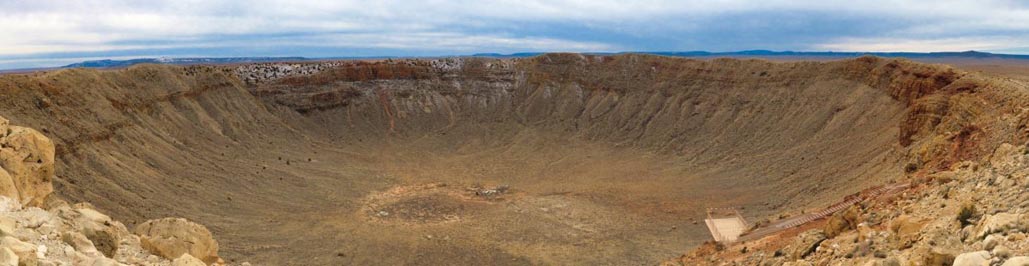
{"x":70,"y":235}
{"x":173,"y":237}
{"x":1002,"y":223}
{"x":806,"y":243}
{"x":26,"y":164}
{"x":264,"y":72}
{"x":64,"y":234}
{"x":79,"y":235}
{"x":978,"y":258}
{"x":970,"y":214}
{"x":187,"y":260}
{"x":1017,"y":261}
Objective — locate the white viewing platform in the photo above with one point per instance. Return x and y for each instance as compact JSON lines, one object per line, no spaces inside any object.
{"x":725,"y":224}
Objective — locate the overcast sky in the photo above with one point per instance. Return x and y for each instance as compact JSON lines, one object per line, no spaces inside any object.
{"x":36,"y":33}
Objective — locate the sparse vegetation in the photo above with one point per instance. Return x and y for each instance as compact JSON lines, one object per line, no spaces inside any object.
{"x":966,"y":214}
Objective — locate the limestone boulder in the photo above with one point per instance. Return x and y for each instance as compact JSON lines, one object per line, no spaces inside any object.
{"x":842,"y":222}
{"x":991,"y":241}
{"x":805,"y":243}
{"x":26,"y":165}
{"x":7,"y":225}
{"x":172,"y":237}
{"x":104,"y":233}
{"x":1002,"y":222}
{"x":80,"y":242}
{"x":187,"y":260}
{"x":1017,"y":261}
{"x":907,"y":229}
{"x":24,"y":251}
{"x":1001,"y":251}
{"x":978,"y":258}
{"x":7,"y":257}
{"x":931,"y":256}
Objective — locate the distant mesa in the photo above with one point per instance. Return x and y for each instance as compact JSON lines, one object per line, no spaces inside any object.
{"x":108,"y":63}
{"x":499,"y":55}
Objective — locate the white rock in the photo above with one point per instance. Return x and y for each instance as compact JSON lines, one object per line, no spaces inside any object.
{"x":7,"y":257}
{"x":977,"y":258}
{"x":7,"y":226}
{"x":41,"y":251}
{"x":1017,"y":261}
{"x":1002,"y":251}
{"x":22,"y":249}
{"x":1001,"y":222}
{"x":34,"y":217}
{"x":172,"y":237}
{"x":187,"y":260}
{"x":79,"y":242}
{"x":104,"y":261}
{"x":9,"y":205}
{"x":990,"y":242}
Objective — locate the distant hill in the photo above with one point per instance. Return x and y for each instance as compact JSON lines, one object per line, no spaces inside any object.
{"x":507,"y":55}
{"x":180,"y":61}
{"x":966,"y":54}
{"x":107,"y":63}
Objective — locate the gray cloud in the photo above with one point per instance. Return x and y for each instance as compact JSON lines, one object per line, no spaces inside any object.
{"x":49,"y":30}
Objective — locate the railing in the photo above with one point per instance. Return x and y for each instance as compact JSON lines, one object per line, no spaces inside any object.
{"x":801,"y":220}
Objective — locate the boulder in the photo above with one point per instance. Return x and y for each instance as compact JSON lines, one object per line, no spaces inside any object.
{"x":80,"y":242}
{"x":24,"y":251}
{"x":1001,"y":222}
{"x":931,"y":256}
{"x":104,"y":233}
{"x":7,"y":226}
{"x":990,"y":241}
{"x":172,"y":237}
{"x":907,"y":229}
{"x":9,"y":205}
{"x":805,"y":243}
{"x":27,"y":162}
{"x":978,"y":258}
{"x":842,"y":222}
{"x":187,"y":260}
{"x":1002,"y":251}
{"x":1017,"y":261}
{"x":798,"y":263}
{"x":104,"y":261}
{"x":890,"y":261}
{"x":7,"y":257}
{"x":7,"y":187}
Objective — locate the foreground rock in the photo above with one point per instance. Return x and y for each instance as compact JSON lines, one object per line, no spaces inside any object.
{"x":64,"y":234}
{"x":174,"y":237}
{"x":26,"y":164}
{"x":970,"y":214}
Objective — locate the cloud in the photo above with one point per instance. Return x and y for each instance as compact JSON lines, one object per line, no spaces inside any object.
{"x":51,"y":29}
{"x":919,"y":45}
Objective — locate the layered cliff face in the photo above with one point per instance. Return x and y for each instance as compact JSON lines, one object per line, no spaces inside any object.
{"x":559,"y":159}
